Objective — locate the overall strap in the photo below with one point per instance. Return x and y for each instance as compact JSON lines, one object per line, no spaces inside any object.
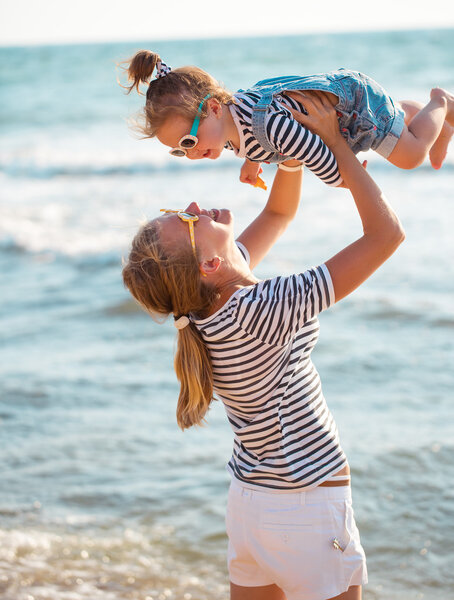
{"x":258,"y":121}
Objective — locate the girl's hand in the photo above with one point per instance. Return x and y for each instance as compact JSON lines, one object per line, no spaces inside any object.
{"x":321,"y":118}
{"x":249,"y":172}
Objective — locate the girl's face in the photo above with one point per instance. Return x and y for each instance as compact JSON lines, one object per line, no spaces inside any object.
{"x":213,"y":232}
{"x":211,"y":133}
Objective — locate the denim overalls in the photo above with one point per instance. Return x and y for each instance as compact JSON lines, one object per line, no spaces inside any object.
{"x":368,"y":118}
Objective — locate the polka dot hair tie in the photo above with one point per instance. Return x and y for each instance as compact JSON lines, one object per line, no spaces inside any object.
{"x":162,"y":69}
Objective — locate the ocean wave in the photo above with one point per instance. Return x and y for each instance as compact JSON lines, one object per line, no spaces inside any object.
{"x":79,"y":560}
{"x":89,"y":169}
{"x":85,"y":259}
{"x":444,"y":322}
{"x":419,"y":462}
{"x":427,"y":311}
{"x":107,"y":168}
{"x":103,"y":161}
{"x":394,"y":313}
{"x":126,"y":307}
{"x":9,"y":245}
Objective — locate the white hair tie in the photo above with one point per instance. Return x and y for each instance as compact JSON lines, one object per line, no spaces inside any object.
{"x":162,"y":69}
{"x":181,"y":322}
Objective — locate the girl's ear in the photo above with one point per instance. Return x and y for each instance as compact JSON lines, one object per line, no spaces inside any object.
{"x":215,"y":107}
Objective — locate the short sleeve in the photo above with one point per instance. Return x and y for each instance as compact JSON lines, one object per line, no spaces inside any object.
{"x":276,"y":309}
{"x":244,"y":251}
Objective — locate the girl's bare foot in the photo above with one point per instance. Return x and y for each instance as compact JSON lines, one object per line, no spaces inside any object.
{"x":437,"y":153}
{"x":441,"y":93}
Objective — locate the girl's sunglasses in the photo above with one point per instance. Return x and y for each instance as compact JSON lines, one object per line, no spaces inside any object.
{"x":190,"y":140}
{"x":190,"y":219}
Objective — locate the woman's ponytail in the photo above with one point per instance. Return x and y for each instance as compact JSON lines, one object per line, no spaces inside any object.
{"x":194,"y":372}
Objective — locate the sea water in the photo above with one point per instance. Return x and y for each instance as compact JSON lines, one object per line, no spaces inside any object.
{"x":101,"y":495}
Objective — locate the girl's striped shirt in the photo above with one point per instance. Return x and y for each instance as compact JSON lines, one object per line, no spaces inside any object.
{"x":260,"y":343}
{"x":284,"y":133}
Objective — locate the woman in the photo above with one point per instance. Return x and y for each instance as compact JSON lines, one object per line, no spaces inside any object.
{"x":289,"y":520}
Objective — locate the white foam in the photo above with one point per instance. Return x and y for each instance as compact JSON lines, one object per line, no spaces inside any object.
{"x":101,"y":564}
{"x":101,"y":151}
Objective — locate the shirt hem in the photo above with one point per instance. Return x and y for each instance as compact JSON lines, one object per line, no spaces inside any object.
{"x":290,"y":490}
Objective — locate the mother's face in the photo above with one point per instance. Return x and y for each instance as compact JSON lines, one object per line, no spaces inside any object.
{"x":213,"y":231}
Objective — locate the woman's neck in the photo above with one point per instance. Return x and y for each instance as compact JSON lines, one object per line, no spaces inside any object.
{"x":229,"y":286}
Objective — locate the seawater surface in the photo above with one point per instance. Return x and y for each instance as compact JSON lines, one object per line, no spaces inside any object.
{"x":101,"y":495}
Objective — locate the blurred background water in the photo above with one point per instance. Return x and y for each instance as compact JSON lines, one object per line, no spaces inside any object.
{"x":101,"y":495}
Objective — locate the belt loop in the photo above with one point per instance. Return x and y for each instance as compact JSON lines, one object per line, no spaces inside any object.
{"x":302,"y":498}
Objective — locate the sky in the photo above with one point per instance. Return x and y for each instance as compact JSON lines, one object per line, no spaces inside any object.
{"x":30,"y":22}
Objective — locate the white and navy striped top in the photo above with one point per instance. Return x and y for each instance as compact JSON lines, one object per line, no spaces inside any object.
{"x":260,"y":343}
{"x":285,"y":134}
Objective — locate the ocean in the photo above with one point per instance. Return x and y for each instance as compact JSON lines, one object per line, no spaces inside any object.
{"x":101,"y":495}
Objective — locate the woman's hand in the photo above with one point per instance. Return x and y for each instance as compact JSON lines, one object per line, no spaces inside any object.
{"x":321,"y":118}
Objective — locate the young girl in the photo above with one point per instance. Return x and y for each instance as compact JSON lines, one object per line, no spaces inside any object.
{"x":189,"y":111}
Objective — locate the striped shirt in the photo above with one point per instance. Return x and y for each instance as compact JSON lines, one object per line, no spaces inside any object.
{"x":260,"y":344}
{"x":285,"y":134}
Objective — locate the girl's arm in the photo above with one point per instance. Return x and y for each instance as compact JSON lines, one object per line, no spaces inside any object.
{"x":289,"y":137}
{"x":382,"y":231}
{"x":274,"y":219}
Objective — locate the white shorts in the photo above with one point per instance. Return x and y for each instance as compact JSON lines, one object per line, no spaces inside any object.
{"x":289,"y":540}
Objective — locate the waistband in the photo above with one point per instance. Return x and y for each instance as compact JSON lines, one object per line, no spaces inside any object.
{"x":337,"y":492}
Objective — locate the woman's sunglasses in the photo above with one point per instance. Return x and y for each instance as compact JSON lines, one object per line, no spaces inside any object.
{"x":190,"y":140}
{"x":190,"y":219}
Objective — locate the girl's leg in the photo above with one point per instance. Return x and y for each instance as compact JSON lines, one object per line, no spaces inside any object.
{"x":438,"y":152}
{"x":265,"y":592}
{"x":423,"y":129}
{"x":353,"y":593}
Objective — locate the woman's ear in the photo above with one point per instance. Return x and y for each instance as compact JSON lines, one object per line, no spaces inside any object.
{"x":210,"y":266}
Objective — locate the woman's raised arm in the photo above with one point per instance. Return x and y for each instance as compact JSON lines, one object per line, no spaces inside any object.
{"x":279,"y":211}
{"x":382,"y":231}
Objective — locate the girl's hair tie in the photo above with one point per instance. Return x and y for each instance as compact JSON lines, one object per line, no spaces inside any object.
{"x":161,"y":69}
{"x":181,"y":322}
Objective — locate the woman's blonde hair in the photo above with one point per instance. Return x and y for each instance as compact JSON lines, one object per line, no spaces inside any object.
{"x":178,"y":92}
{"x":166,"y":283}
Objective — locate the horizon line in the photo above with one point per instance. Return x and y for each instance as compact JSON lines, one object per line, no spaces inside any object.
{"x":228,"y":36}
